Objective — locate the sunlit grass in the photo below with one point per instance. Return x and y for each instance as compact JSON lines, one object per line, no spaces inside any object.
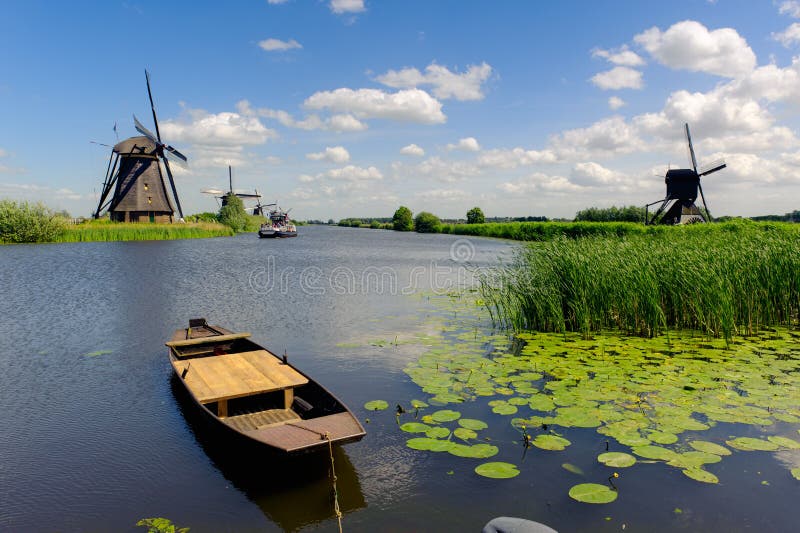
{"x":104,"y":231}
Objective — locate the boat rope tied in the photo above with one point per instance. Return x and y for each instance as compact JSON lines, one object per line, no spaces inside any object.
{"x":333,"y":480}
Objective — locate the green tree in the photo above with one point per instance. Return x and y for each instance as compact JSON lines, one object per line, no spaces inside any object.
{"x":232,"y":214}
{"x":25,"y":222}
{"x":427,"y":223}
{"x":475,"y":216}
{"x":403,"y":220}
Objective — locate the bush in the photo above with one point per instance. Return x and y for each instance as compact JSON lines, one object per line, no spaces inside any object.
{"x":25,"y":222}
{"x":475,"y":216}
{"x":202,"y":217}
{"x":375,"y":224}
{"x":403,"y":219}
{"x":629,"y":213}
{"x":232,"y":214}
{"x":427,"y":223}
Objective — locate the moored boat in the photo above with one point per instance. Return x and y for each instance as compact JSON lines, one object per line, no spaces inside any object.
{"x":254,"y":393}
{"x":278,"y":225}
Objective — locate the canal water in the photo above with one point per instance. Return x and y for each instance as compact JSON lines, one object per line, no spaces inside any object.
{"x":95,"y":434}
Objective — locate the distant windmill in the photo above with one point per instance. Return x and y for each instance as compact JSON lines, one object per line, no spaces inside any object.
{"x":139,"y":190}
{"x":257,"y":209}
{"x":682,"y":187}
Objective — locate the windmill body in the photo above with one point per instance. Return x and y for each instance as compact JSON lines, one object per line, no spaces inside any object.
{"x":135,"y":189}
{"x":683,"y":184}
{"x":140,"y":194}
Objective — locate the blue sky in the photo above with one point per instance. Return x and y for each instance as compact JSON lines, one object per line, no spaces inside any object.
{"x":341,"y":108}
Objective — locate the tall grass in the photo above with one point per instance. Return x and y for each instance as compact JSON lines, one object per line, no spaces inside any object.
{"x":721,"y":279}
{"x":546,"y":231}
{"x":119,"y":231}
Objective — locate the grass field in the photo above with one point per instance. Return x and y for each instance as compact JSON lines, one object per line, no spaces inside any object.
{"x":719,"y":279}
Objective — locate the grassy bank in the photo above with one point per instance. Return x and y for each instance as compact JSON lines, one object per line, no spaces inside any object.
{"x":118,"y":231}
{"x":546,"y":231}
{"x":720,"y":279}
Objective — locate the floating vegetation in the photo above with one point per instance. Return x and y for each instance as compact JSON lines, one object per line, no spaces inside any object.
{"x":551,"y":442}
{"x":376,"y":405}
{"x":475,"y":425}
{"x":749,"y":444}
{"x":569,"y":467}
{"x":498,"y":470}
{"x":476,"y":451}
{"x":445,"y":415}
{"x":464,"y":433}
{"x":698,"y":474}
{"x":98,"y":353}
{"x":429,"y":444}
{"x":796,"y":473}
{"x":617,"y":459}
{"x":437,"y":433}
{"x":415,"y":427}
{"x":160,"y":525}
{"x":709,"y":447}
{"x":593,"y":493}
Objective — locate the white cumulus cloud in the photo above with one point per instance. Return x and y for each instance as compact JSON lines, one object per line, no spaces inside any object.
{"x":347,"y":6}
{"x":412,"y":105}
{"x":354,"y":173}
{"x":335,"y":154}
{"x":515,"y":157}
{"x":791,"y":8}
{"x":467,"y":144}
{"x":338,"y":123}
{"x":412,"y":149}
{"x":446,"y":84}
{"x":691,"y":46}
{"x":224,"y":129}
{"x":618,"y":78}
{"x":276,"y":45}
{"x":615,"y":102}
{"x":622,"y":56}
{"x":789,"y":36}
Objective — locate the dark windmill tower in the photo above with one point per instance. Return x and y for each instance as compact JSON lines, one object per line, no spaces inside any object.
{"x":135,"y":177}
{"x":682,"y":187}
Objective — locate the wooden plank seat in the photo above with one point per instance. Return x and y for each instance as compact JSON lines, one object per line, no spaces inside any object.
{"x":223,"y":377}
{"x":261,"y":419}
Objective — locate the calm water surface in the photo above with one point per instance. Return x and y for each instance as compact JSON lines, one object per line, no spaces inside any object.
{"x":95,"y":434}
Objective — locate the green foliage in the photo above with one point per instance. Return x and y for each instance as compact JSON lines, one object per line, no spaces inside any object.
{"x":475,"y":216}
{"x":427,"y":223}
{"x":716,"y":278}
{"x":202,"y":217}
{"x":106,"y":231}
{"x":403,"y":219}
{"x":630,"y":213}
{"x":160,"y":525}
{"x":232,"y":214}
{"x":26,"y":222}
{"x":375,"y":224}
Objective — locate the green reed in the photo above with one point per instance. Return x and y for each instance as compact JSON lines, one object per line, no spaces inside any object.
{"x":721,"y":279}
{"x":120,"y":231}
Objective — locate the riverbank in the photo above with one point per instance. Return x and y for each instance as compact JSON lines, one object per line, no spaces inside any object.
{"x":105,"y":231}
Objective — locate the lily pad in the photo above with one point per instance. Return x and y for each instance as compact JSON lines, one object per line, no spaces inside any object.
{"x":796,"y":473}
{"x":504,"y":409}
{"x":376,"y":405}
{"x":428,"y":444}
{"x":654,"y":452}
{"x":415,"y":427}
{"x":551,"y":442}
{"x":749,"y":444}
{"x":784,"y":442}
{"x":592,"y":493}
{"x":470,"y":423}
{"x":617,"y":459}
{"x":418,"y":404}
{"x":709,"y":447}
{"x":445,"y":415}
{"x":98,"y":353}
{"x":569,"y":467}
{"x":497,"y":470}
{"x":437,"y":433}
{"x":698,"y":474}
{"x":464,"y":433}
{"x":476,"y":451}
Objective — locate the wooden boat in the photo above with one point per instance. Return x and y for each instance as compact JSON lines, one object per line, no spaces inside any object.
{"x":278,"y":225}
{"x":256,"y":394}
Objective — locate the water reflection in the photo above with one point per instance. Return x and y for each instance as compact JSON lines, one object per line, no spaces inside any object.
{"x":293,"y":492}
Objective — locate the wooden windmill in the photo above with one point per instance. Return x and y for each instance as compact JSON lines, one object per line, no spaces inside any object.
{"x":134,"y":175}
{"x":682,"y":187}
{"x":223,"y":197}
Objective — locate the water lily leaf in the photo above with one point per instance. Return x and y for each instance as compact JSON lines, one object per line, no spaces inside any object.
{"x":497,"y":470}
{"x":518,"y":401}
{"x":98,"y":353}
{"x":428,"y":444}
{"x":694,"y":459}
{"x":784,"y":442}
{"x":699,"y":474}
{"x":660,"y":437}
{"x":709,"y":447}
{"x":541,"y":402}
{"x":443,"y":398}
{"x":437,"y":433}
{"x":569,"y":467}
{"x":749,"y":444}
{"x":445,"y":415}
{"x":796,"y":473}
{"x":617,"y":459}
{"x":415,"y":427}
{"x":592,"y":493}
{"x":476,"y":451}
{"x":551,"y":442}
{"x":654,"y":452}
{"x":470,"y":423}
{"x":464,"y":433}
{"x":376,"y":405}
{"x":418,"y":404}
{"x":504,"y":409}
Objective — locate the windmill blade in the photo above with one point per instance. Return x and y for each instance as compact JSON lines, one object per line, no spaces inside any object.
{"x":719,"y":164}
{"x":691,"y":148}
{"x":215,"y":192}
{"x":174,"y":191}
{"x":144,"y":131}
{"x":174,"y":154}
{"x":702,"y":196}
{"x":152,"y":105}
{"x":101,"y":144}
